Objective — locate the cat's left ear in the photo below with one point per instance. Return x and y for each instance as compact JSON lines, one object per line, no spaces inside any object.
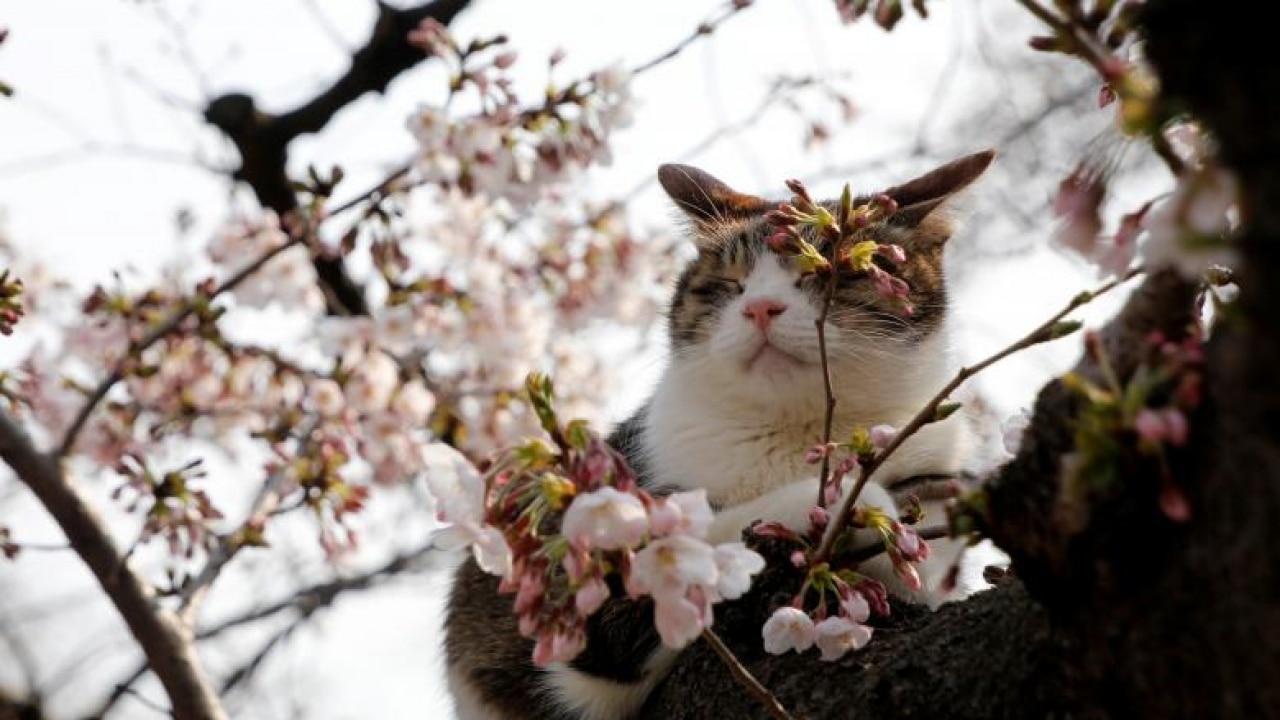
{"x":704,"y":198}
{"x":919,"y":197}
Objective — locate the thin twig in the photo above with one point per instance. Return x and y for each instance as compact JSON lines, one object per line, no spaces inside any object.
{"x":377,"y":192}
{"x":38,"y":547}
{"x":1086,"y":46}
{"x":173,"y":321}
{"x":704,"y":29}
{"x":306,"y":601}
{"x":228,"y":545}
{"x":928,"y":413}
{"x":744,"y":676}
{"x":824,"y":476}
{"x":158,"y":333}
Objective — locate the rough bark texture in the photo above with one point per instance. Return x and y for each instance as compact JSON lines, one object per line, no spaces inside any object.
{"x":263,"y":139}
{"x":1116,"y":612}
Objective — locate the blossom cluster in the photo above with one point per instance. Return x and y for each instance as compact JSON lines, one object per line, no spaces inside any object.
{"x":833,"y":584}
{"x":460,"y":314}
{"x":507,"y":149}
{"x":1187,"y":230}
{"x":10,"y":302}
{"x":177,"y":509}
{"x":1146,"y":415}
{"x":558,"y":519}
{"x":835,"y":601}
{"x":845,"y":248}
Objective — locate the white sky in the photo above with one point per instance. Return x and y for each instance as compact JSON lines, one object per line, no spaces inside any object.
{"x":101,"y":145}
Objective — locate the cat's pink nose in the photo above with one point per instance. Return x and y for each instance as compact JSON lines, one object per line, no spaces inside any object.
{"x":763,"y":311}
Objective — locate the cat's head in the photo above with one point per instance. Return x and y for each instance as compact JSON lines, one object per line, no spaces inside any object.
{"x":743,"y":312}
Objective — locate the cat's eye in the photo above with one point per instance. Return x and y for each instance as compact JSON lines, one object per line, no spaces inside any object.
{"x":845,"y":281}
{"x":717,"y":286}
{"x":730,"y":284}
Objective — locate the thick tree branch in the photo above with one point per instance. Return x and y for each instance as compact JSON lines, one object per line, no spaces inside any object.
{"x":263,"y":139}
{"x":166,"y":643}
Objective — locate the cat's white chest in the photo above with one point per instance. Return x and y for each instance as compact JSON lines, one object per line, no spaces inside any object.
{"x":696,"y":436}
{"x":734,"y":459}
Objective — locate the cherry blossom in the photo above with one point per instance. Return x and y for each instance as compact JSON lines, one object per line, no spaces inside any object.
{"x":459,"y":491}
{"x":1186,"y":231}
{"x":665,"y":568}
{"x":836,"y":636}
{"x":735,"y":564}
{"x":680,"y":620}
{"x":607,"y":519}
{"x":788,"y":629}
{"x":1012,"y":430}
{"x":882,"y":435}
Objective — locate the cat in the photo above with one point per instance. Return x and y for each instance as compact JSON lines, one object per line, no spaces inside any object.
{"x":739,"y":402}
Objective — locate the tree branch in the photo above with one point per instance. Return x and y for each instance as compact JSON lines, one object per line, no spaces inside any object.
{"x":263,"y":139}
{"x":929,"y":413}
{"x":158,"y":333}
{"x":159,"y":633}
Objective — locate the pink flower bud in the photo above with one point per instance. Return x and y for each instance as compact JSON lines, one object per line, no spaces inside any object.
{"x":505,"y":60}
{"x":831,"y":493}
{"x":774,"y":530}
{"x":819,"y":517}
{"x":799,"y":560}
{"x":893,"y":253}
{"x":887,"y":204}
{"x":529,"y":596}
{"x":888,"y":286}
{"x":590,"y":596}
{"x":779,"y":241}
{"x":906,"y":572}
{"x":882,"y":436}
{"x":1150,"y":426}
{"x":783,"y":216}
{"x":1173,"y":502}
{"x":1175,"y":424}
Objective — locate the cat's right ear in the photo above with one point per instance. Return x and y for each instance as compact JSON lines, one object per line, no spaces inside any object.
{"x":705,"y":199}
{"x":921,"y":196}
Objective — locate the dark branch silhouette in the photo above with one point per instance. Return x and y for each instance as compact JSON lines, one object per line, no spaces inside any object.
{"x":263,"y":139}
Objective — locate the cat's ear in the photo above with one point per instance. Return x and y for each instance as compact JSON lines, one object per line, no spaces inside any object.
{"x":921,"y":196}
{"x":704,"y":198}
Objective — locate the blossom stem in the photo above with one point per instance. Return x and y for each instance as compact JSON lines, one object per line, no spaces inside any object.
{"x":1042,"y":333}
{"x":824,"y":476}
{"x":744,"y":676}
